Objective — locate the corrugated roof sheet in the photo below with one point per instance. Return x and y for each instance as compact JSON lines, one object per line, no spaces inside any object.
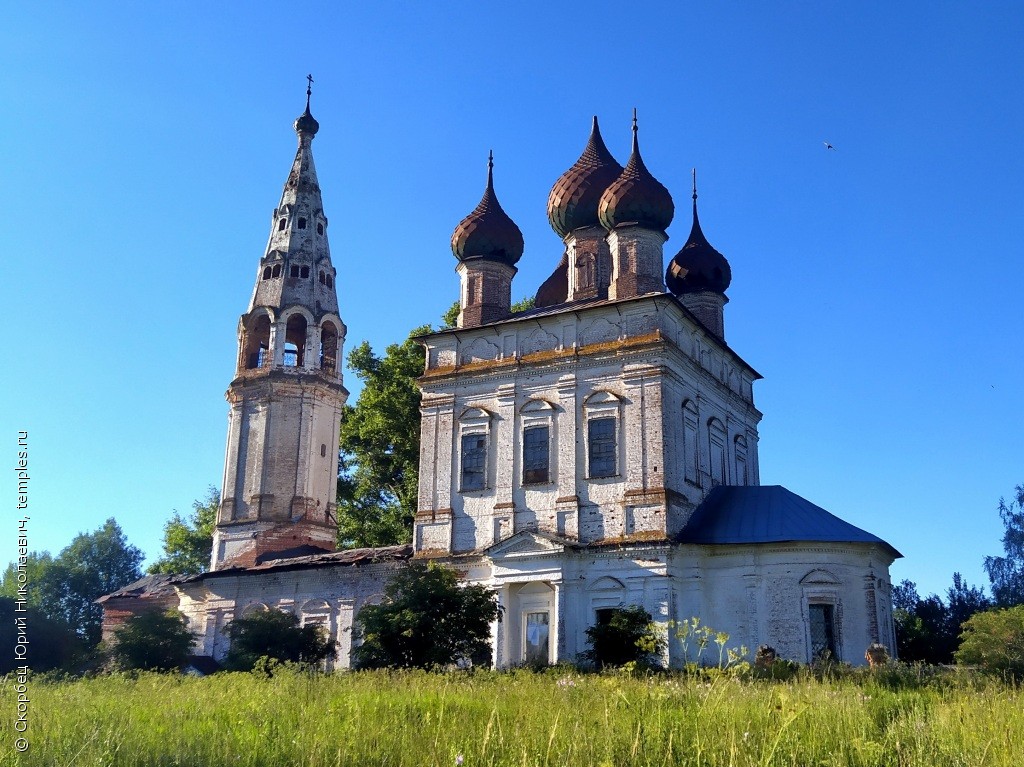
{"x":768,"y":514}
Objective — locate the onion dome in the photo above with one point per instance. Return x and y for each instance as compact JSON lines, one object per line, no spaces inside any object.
{"x":698,"y":266}
{"x":488,"y":233}
{"x":573,"y":201}
{"x":555,"y":289}
{"x":636,"y":197}
{"x":306,"y":123}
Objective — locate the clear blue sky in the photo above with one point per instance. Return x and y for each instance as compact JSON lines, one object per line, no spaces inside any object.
{"x":876,"y":287}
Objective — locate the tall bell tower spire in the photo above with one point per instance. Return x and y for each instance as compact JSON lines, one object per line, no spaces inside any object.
{"x":281,"y":464}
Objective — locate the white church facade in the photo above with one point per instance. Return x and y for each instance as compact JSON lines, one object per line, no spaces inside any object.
{"x":597,"y":451}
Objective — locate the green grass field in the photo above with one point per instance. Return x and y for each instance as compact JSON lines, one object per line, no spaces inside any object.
{"x":518,"y":718}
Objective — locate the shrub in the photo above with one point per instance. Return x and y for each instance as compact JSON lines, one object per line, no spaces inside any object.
{"x":427,"y":620}
{"x":625,"y":635}
{"x":994,"y":641}
{"x":275,"y":635}
{"x":152,"y":641}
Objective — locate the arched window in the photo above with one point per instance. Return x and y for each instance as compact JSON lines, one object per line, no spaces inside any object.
{"x":329,"y":347}
{"x":256,"y":343}
{"x":474,"y":430}
{"x":323,"y":279}
{"x":294,"y":271}
{"x":305,"y":272}
{"x":266,"y":273}
{"x":320,"y":229}
{"x":295,"y":341}
{"x":302,"y":223}
{"x":602,"y":411}
{"x":330,"y":281}
{"x":282,"y":224}
{"x":277,"y":271}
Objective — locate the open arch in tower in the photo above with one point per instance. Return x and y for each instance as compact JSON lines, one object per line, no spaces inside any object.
{"x":329,"y":347}
{"x":256,"y":342}
{"x":295,"y":341}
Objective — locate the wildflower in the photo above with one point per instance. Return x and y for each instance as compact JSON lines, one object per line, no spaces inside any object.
{"x":458,"y":760}
{"x":566,"y":682}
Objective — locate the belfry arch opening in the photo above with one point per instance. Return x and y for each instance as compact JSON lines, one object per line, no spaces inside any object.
{"x":256,"y":343}
{"x":329,"y":347}
{"x":295,"y":341}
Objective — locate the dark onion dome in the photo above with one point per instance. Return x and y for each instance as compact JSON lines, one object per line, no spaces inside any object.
{"x":306,"y":123}
{"x":636,"y":197}
{"x":697,"y":266}
{"x":488,"y":233}
{"x":573,"y":201}
{"x":555,"y":289}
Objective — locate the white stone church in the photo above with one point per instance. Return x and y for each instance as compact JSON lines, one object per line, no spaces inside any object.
{"x":597,"y":451}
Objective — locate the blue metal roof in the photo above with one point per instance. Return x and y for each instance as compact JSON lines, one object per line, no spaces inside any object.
{"x":768,"y":514}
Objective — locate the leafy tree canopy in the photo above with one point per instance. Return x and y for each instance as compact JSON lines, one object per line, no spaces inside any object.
{"x":928,"y":629}
{"x":994,"y":641}
{"x":64,"y":588}
{"x":1006,"y":573}
{"x":624,"y":635}
{"x":188,"y":542}
{"x":427,"y":620}
{"x":276,"y":635}
{"x":152,"y":641}
{"x":52,"y":644}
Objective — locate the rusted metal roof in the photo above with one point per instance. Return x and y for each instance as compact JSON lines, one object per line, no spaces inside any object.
{"x":574,"y":198}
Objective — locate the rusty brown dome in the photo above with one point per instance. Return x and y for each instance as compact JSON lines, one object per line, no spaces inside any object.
{"x":573,"y":201}
{"x":697,"y":266}
{"x":488,"y":233}
{"x":636,"y":197}
{"x":305,"y":122}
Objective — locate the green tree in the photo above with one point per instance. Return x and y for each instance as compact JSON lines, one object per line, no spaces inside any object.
{"x":380,"y":444}
{"x":188,"y":542}
{"x":427,"y":620}
{"x":451,"y":317}
{"x":928,"y":629}
{"x":152,"y":641}
{"x":276,"y":635}
{"x":624,"y":635}
{"x":1006,"y":573}
{"x":52,"y":644}
{"x":994,"y":641}
{"x":64,"y":588}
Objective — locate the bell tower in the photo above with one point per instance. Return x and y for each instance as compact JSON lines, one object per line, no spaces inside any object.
{"x":281,"y":463}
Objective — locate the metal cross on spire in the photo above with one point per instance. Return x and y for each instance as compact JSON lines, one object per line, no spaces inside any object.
{"x":309,"y":89}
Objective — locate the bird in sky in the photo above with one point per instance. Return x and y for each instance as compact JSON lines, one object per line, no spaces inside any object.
{"x":828,"y":145}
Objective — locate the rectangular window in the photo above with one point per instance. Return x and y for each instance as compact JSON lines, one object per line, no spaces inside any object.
{"x":474,"y":461}
{"x":535,"y":455}
{"x":823,"y":633}
{"x":601,"y":446}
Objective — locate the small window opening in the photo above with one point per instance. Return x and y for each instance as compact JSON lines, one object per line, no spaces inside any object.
{"x":277,"y":271}
{"x":319,"y":229}
{"x":323,"y":451}
{"x":295,"y":341}
{"x":266,"y":273}
{"x":329,"y":348}
{"x":323,"y":281}
{"x":474,"y":461}
{"x":294,"y":271}
{"x":305,"y":272}
{"x":601,"y":443}
{"x":281,"y":224}
{"x":330,"y":281}
{"x":535,"y":455}
{"x":302,"y":223}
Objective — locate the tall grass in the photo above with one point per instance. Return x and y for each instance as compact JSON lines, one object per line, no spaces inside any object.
{"x":518,"y":718}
